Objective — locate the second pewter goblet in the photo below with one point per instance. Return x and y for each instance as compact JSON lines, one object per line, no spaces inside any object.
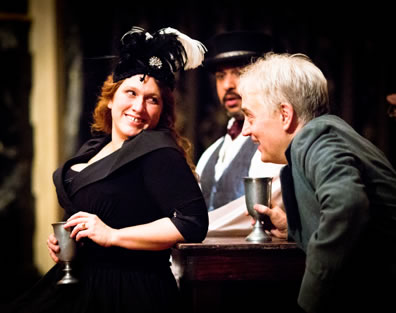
{"x":258,"y":191}
{"x":67,"y":251}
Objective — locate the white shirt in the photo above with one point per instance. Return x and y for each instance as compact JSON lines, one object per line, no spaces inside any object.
{"x":231,"y":216}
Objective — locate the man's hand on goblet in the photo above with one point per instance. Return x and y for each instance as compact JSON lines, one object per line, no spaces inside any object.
{"x":53,"y":247}
{"x":277,"y":217}
{"x":91,"y":226}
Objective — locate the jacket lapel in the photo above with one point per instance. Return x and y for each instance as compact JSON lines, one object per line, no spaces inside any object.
{"x":290,"y":201}
{"x":145,"y":142}
{"x":132,"y":149}
{"x":87,"y":151}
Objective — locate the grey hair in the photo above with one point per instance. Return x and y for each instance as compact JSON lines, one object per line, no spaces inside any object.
{"x":291,"y":78}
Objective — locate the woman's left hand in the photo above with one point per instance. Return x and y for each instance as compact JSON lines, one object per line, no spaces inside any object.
{"x":91,"y":226}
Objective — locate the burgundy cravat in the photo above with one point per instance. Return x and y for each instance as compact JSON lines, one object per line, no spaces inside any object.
{"x":235,"y":128}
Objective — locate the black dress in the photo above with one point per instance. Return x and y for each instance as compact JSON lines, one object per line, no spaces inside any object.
{"x":147,"y":179}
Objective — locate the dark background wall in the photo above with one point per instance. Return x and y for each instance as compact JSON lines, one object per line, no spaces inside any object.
{"x":17,"y":270}
{"x":354,"y":48}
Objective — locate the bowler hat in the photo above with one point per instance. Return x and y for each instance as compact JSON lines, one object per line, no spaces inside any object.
{"x":236,"y":48}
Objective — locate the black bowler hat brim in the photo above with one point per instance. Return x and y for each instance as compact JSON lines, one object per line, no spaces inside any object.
{"x":236,"y":48}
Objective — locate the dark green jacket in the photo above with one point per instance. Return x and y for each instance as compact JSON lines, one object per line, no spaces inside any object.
{"x":340,"y":196}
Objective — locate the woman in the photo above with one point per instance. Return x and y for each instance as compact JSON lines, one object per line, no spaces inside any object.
{"x":129,"y":195}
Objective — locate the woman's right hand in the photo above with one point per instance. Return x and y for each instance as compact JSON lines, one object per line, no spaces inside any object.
{"x":53,"y":247}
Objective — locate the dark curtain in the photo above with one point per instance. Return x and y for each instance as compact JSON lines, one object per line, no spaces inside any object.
{"x":354,"y":49}
{"x":17,"y":270}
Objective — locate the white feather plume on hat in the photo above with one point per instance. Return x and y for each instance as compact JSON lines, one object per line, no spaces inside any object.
{"x":195,"y":50}
{"x":160,"y":54}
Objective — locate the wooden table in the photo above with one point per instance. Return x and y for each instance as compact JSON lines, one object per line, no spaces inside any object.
{"x":219,"y":274}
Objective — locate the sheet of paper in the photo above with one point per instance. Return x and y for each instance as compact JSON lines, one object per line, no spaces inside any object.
{"x":230,"y":220}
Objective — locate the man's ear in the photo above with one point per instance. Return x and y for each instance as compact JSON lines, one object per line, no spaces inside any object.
{"x":287,"y":116}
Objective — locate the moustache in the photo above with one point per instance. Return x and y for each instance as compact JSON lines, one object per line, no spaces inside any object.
{"x":231,"y":94}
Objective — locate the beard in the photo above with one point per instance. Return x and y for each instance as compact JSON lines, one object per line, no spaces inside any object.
{"x":238,"y":115}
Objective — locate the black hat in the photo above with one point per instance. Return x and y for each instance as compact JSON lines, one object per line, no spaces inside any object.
{"x":159,"y":55}
{"x":236,"y":48}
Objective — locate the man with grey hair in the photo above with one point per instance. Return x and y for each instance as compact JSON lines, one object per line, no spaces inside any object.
{"x":339,"y":190}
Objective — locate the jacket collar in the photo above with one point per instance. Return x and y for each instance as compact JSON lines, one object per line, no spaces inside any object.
{"x":132,"y":149}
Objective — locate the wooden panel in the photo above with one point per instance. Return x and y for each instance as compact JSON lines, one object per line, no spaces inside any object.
{"x":219,"y":274}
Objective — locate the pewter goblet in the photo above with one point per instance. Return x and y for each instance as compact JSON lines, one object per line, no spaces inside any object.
{"x":67,"y":251}
{"x":258,"y":191}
